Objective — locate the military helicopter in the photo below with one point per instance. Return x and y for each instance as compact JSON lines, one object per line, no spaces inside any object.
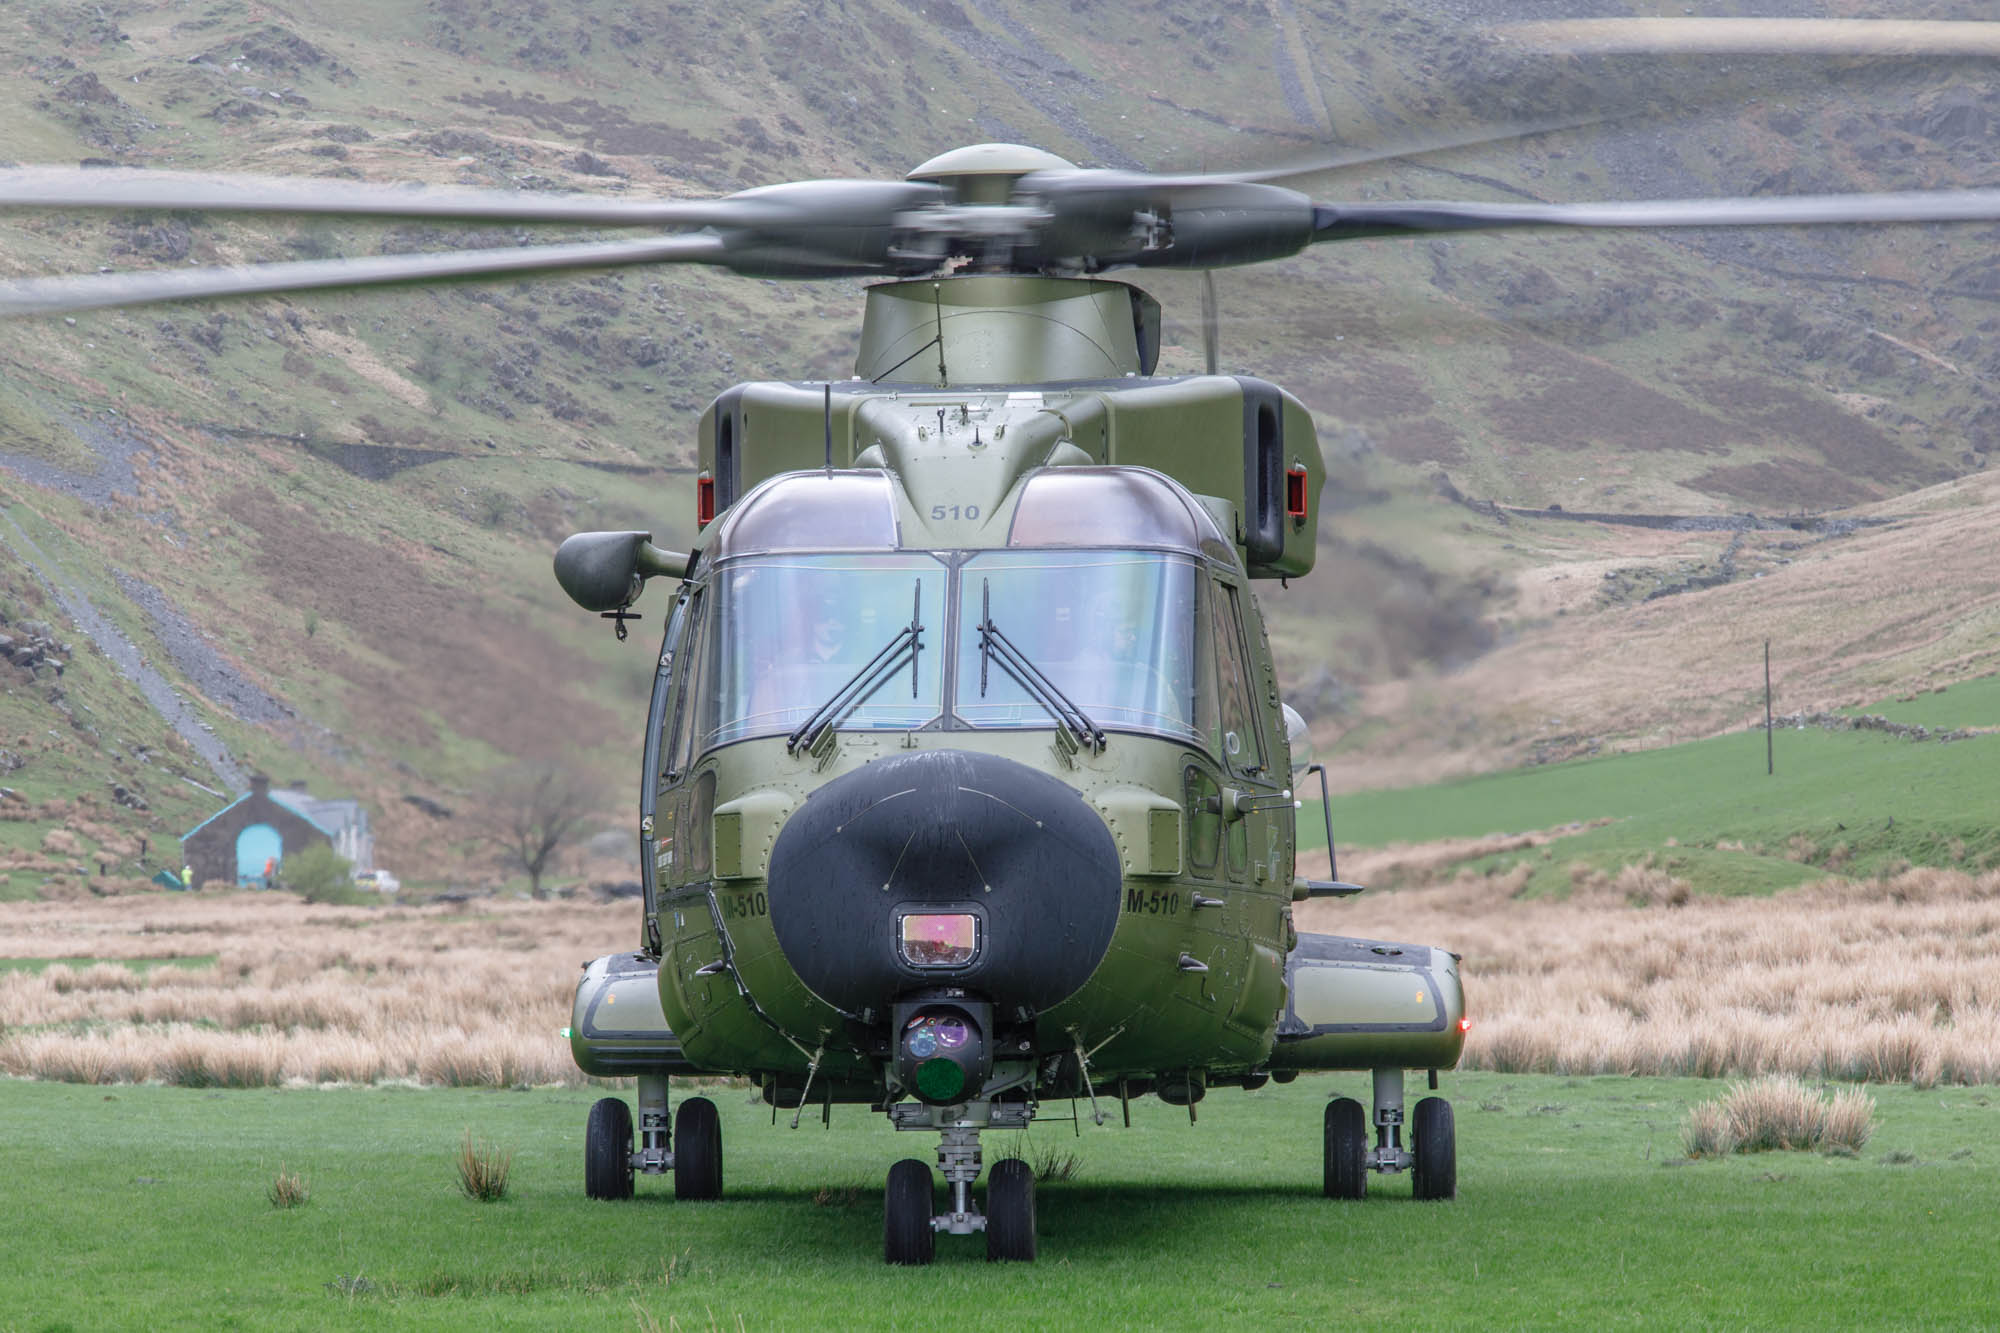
{"x":967,"y":785}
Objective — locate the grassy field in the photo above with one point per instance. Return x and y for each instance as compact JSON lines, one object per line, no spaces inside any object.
{"x":1857,"y":803}
{"x":1975,"y":703}
{"x":146,"y":1207}
{"x":138,"y":966}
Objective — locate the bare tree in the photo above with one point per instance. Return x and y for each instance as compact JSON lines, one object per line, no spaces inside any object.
{"x":536,"y":809}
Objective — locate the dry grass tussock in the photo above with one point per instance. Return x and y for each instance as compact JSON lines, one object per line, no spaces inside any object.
{"x":473,"y":996}
{"x":289,"y":1189}
{"x":1779,"y":1113}
{"x":482,"y":1170}
{"x":1888,"y":980}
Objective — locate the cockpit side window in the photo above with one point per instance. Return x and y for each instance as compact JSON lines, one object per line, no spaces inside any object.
{"x":1204,"y":822}
{"x":688,"y":668}
{"x":659,"y":799}
{"x":695,"y":837}
{"x":1240,"y":741}
{"x":669,"y":691}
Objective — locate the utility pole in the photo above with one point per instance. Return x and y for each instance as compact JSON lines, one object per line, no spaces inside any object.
{"x":1770,"y":757}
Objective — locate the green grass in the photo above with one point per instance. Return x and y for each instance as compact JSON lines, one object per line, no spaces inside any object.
{"x":1570,"y":1213}
{"x":1971,"y":703}
{"x":141,"y":965}
{"x":1858,"y":802}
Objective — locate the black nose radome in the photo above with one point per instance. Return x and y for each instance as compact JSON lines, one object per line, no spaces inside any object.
{"x":944,"y":868}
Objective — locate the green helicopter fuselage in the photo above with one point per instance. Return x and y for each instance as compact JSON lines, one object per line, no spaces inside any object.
{"x":966,"y":722}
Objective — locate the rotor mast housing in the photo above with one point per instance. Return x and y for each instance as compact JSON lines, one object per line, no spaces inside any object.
{"x":1005,"y":329}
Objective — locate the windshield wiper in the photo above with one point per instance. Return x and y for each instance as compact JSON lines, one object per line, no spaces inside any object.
{"x":992,"y":644}
{"x":865,"y":681}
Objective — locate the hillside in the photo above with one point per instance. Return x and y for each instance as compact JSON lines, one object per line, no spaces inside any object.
{"x":1608,"y":637}
{"x":321,"y":526}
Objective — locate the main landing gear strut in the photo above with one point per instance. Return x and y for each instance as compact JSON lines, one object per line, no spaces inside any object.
{"x":1431,"y":1157}
{"x":609,"y":1158}
{"x":910,"y":1222}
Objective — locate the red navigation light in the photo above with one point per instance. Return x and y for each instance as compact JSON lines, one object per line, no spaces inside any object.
{"x":1295,"y":494}
{"x":1465,"y":1025}
{"x":704,"y":501}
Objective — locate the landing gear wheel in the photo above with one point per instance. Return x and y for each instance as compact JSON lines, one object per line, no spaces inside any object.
{"x":1010,"y":1212}
{"x":697,"y":1150}
{"x":1434,"y":1142}
{"x":1346,"y":1173}
{"x":607,"y":1150}
{"x":907,"y":1206}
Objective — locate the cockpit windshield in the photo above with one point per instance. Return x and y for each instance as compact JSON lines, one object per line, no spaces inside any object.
{"x":1113,"y":631}
{"x":798,"y":638}
{"x":791,"y":631}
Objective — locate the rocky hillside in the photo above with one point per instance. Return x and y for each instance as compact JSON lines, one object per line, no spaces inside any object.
{"x":310,"y":535}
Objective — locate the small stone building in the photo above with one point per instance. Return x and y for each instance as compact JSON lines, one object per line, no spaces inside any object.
{"x":263,"y":827}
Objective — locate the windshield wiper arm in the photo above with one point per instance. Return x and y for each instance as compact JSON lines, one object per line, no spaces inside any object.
{"x":864,"y":681}
{"x":992,"y":644}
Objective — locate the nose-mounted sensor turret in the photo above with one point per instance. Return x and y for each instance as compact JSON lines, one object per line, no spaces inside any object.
{"x":942,"y":1051}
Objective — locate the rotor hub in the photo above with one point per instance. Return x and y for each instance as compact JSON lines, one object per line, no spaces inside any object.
{"x":984,"y":173}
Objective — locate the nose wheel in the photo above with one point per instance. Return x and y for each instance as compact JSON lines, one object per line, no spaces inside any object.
{"x":910,"y":1224}
{"x":1010,"y":1212}
{"x":907,"y":1208}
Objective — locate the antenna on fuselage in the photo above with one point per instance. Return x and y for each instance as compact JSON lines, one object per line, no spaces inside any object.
{"x":1211,"y":322}
{"x":937,"y":309}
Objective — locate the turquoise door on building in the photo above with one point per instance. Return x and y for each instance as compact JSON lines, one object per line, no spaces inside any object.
{"x":254,"y":846}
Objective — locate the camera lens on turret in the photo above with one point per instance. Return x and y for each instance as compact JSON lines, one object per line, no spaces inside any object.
{"x":941,"y":1054}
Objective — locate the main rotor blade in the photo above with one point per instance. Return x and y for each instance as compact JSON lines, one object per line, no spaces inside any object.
{"x":1757,"y":36}
{"x":1341,"y":222}
{"x":30,"y":296}
{"x":111,"y":187}
{"x":1338,"y":158}
{"x":1643,"y":36}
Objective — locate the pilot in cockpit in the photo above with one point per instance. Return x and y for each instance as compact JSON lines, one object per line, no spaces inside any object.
{"x":826,"y":632}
